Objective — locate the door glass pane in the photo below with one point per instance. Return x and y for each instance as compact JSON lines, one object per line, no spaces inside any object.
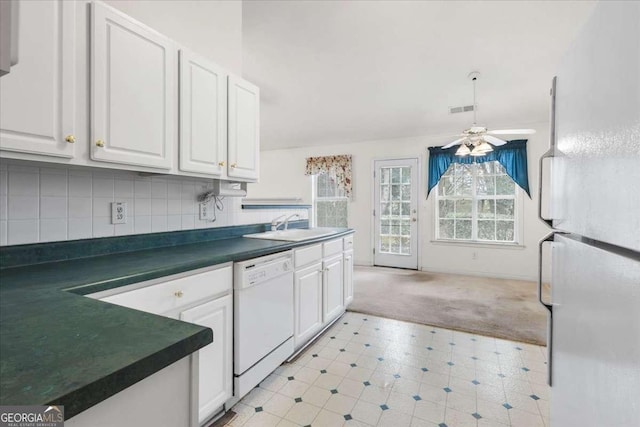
{"x":384,"y":193}
{"x":395,"y":192}
{"x":395,"y":210}
{"x":406,"y":192}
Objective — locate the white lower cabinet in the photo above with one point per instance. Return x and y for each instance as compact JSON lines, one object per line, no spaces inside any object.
{"x":307,"y":294}
{"x":348,"y":278}
{"x":333,"y":304}
{"x":215,"y":360}
{"x":203,"y":297}
{"x":323,"y":286}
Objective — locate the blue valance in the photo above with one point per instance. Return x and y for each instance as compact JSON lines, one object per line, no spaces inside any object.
{"x":512,"y":156}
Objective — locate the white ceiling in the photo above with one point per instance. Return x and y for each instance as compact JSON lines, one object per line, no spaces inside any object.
{"x":342,"y":71}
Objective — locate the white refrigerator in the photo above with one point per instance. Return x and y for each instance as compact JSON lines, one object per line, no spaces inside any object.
{"x":594,"y":306}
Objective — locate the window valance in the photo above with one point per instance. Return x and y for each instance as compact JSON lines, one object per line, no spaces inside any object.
{"x":336,"y":166}
{"x":512,"y":156}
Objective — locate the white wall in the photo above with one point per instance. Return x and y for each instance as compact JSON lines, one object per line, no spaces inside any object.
{"x":44,"y":203}
{"x":211,"y":28}
{"x":282,"y":175}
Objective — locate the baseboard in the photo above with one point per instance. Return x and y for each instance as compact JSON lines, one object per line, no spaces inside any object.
{"x":481,"y":274}
{"x":466,"y":273}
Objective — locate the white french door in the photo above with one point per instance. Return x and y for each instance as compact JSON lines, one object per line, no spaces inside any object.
{"x":396,"y":213}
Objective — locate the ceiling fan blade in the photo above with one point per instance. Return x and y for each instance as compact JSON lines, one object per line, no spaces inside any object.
{"x":451,"y":144}
{"x":512,"y":132}
{"x":493,"y":140}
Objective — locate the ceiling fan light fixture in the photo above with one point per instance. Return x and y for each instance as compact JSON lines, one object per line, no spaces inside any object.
{"x":463,"y":150}
{"x":477,"y":153}
{"x":484,"y":147}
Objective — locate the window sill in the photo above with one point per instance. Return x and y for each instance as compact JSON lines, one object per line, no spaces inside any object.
{"x":477,"y":244}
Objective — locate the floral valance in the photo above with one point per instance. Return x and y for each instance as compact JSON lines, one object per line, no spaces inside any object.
{"x":336,"y":166}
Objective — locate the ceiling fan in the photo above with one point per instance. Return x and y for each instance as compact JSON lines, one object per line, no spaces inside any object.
{"x":478,"y":140}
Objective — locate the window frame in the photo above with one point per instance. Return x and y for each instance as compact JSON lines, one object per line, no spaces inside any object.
{"x":474,"y":241}
{"x":315,"y":198}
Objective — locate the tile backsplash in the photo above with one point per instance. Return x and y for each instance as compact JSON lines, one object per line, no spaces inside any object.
{"x":54,"y":203}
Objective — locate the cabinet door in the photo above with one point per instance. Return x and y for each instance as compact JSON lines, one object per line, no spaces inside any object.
{"x":244,"y":129}
{"x":38,"y":95}
{"x":134,"y":91}
{"x":333,"y":288}
{"x":348,"y":278}
{"x":203,"y":115}
{"x":215,"y":360}
{"x":308,"y":303}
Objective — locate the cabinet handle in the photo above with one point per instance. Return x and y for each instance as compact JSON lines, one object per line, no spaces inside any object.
{"x":234,"y":165}
{"x":179,"y":294}
{"x":221,"y":164}
{"x":70,"y":139}
{"x":99,"y":143}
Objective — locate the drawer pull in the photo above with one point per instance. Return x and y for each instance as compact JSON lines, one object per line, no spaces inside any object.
{"x":179,"y":294}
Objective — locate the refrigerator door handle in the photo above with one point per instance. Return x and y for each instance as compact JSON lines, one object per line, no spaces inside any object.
{"x":549,"y":306}
{"x":549,"y":153}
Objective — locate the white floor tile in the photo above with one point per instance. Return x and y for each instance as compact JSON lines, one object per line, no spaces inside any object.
{"x":302,"y":413}
{"x":366,"y":412}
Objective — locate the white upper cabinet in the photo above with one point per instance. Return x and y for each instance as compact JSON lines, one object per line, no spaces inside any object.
{"x":203,"y":116}
{"x":134,"y":91}
{"x":244,"y":129}
{"x":37,"y":97}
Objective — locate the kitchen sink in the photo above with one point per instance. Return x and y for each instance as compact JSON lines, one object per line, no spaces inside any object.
{"x":293,"y":235}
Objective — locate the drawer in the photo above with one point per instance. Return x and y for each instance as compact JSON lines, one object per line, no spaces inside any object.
{"x":348,"y":243}
{"x":331,"y":248}
{"x":307,"y":255}
{"x":176,"y":293}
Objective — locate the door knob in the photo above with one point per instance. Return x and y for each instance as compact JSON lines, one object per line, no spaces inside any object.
{"x":70,"y":139}
{"x":179,"y":294}
{"x":220,"y":163}
{"x":414,"y":219}
{"x":234,"y":165}
{"x":99,"y":143}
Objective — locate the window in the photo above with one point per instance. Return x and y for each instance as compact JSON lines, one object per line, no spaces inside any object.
{"x":476,"y":202}
{"x":329,"y":202}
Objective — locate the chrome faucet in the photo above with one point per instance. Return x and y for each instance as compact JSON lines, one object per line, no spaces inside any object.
{"x":277,"y":223}
{"x":286,"y":221}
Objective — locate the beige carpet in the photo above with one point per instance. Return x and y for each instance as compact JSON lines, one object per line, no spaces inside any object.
{"x":495,"y":307}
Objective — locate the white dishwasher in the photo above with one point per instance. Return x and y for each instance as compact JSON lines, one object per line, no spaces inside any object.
{"x":263,"y":318}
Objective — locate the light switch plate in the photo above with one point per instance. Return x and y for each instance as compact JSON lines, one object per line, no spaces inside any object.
{"x":118,"y":213}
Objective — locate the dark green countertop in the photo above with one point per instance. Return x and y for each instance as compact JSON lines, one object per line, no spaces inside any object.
{"x":59,"y":347}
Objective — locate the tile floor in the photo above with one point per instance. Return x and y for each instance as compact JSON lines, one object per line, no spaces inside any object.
{"x":371,"y":371}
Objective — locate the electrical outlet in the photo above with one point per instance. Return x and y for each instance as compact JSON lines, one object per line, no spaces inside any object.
{"x":118,"y":213}
{"x":204,"y":211}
